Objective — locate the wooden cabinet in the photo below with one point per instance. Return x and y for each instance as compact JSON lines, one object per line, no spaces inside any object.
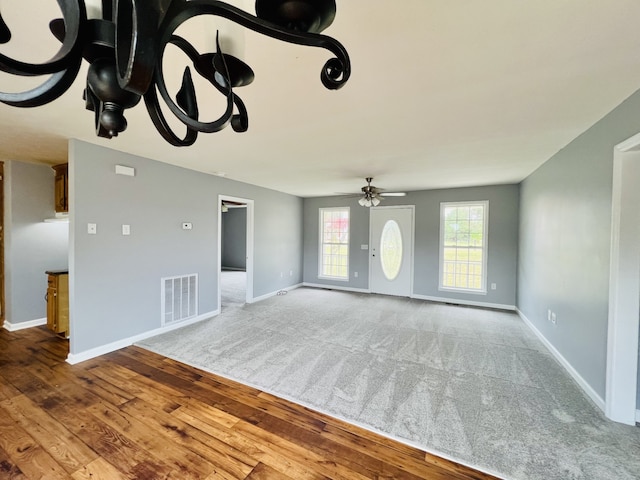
{"x":58,"y":302}
{"x":61,"y":188}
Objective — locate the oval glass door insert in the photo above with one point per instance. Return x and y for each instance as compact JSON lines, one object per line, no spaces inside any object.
{"x":391,"y":250}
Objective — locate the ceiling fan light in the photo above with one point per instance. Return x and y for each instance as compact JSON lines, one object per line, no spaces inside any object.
{"x":362,"y":201}
{"x":375,"y":201}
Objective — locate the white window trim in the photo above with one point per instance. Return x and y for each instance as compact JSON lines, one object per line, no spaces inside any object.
{"x":320,"y":244}
{"x":485,"y":243}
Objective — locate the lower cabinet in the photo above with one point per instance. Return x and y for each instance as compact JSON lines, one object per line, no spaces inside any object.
{"x":58,"y":302}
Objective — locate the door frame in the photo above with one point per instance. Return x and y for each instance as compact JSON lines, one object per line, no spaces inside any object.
{"x":412,"y":241}
{"x":2,"y":233}
{"x":250,"y":245}
{"x":624,"y":287}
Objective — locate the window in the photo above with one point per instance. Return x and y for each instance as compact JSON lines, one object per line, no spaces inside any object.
{"x":463,"y":246}
{"x":391,"y":250}
{"x":334,"y":243}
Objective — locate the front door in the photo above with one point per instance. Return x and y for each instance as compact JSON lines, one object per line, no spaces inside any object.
{"x":391,"y":250}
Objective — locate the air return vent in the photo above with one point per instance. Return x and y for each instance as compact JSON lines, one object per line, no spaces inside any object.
{"x":179,"y":298}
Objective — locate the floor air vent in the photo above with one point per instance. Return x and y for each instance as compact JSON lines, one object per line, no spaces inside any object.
{"x":179,"y":298}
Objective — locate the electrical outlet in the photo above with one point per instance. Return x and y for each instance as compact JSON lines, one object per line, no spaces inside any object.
{"x":554,"y":319}
{"x":493,"y":286}
{"x":187,"y":226}
{"x":355,"y":274}
{"x":92,"y":228}
{"x":291,"y":273}
{"x":126,"y":229}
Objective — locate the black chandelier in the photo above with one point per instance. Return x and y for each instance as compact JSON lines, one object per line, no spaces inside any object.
{"x":126,"y":46}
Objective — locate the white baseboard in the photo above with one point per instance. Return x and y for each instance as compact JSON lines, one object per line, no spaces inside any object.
{"x":417,"y":297}
{"x":336,"y":287}
{"x":14,"y":327}
{"x":470,"y":303}
{"x":591,"y":393}
{"x":273,"y":294}
{"x":74,"y":358}
{"x":637,"y":416}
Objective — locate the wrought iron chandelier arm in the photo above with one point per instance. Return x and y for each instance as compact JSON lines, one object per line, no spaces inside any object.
{"x":240,"y":121}
{"x":159,"y":83}
{"x":48,"y":91}
{"x":204,"y":66}
{"x":160,"y":122}
{"x":336,"y":71}
{"x":74,"y":16}
{"x":125,"y":50}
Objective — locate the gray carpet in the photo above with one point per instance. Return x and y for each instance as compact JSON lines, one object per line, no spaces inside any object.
{"x":233,"y":288}
{"x":473,"y":385}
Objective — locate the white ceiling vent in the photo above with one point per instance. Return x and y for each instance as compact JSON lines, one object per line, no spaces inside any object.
{"x":179,"y":298}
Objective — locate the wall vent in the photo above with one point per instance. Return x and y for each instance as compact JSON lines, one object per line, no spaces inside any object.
{"x":179,"y":298}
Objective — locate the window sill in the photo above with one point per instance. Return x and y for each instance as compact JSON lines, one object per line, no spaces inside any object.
{"x":334,"y":279}
{"x":462,"y":290}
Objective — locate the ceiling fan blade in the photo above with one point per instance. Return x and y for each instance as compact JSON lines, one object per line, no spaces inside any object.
{"x":392,"y":194}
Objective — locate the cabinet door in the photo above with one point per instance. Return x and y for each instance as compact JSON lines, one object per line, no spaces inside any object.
{"x":52,"y":309}
{"x":62,"y":304}
{"x":61,"y":188}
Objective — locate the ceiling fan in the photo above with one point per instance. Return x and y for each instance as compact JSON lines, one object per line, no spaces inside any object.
{"x":373,"y":195}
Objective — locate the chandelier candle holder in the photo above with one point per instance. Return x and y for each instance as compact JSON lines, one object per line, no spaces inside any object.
{"x":125,"y":49}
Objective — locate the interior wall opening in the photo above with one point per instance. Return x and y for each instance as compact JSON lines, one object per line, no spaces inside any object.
{"x":235,"y":286}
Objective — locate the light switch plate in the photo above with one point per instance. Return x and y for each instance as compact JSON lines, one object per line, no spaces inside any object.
{"x":126,"y":229}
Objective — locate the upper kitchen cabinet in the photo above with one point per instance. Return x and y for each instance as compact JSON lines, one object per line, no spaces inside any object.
{"x":61,"y":188}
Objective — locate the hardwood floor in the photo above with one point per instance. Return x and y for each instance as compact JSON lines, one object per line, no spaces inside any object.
{"x":134,"y":414}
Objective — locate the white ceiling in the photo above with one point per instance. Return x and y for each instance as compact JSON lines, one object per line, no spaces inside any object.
{"x":443,"y":93}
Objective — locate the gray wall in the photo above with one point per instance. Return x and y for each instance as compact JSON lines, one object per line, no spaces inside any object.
{"x":502,"y":237}
{"x":234,"y":234}
{"x":565,"y":238}
{"x":115,"y":279}
{"x":31,"y":245}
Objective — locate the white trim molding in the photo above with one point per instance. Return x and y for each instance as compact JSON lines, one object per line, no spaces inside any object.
{"x":14,"y":327}
{"x":591,"y":393}
{"x":336,"y":287}
{"x":273,"y":294}
{"x":74,"y":358}
{"x":624,"y":285}
{"x":470,"y":303}
{"x":637,"y":416}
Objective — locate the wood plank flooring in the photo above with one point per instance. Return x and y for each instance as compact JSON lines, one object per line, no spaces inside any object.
{"x":133,"y":414}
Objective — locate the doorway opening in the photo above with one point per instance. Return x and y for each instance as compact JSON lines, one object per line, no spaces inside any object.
{"x":235,"y":252}
{"x":624,"y":286}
